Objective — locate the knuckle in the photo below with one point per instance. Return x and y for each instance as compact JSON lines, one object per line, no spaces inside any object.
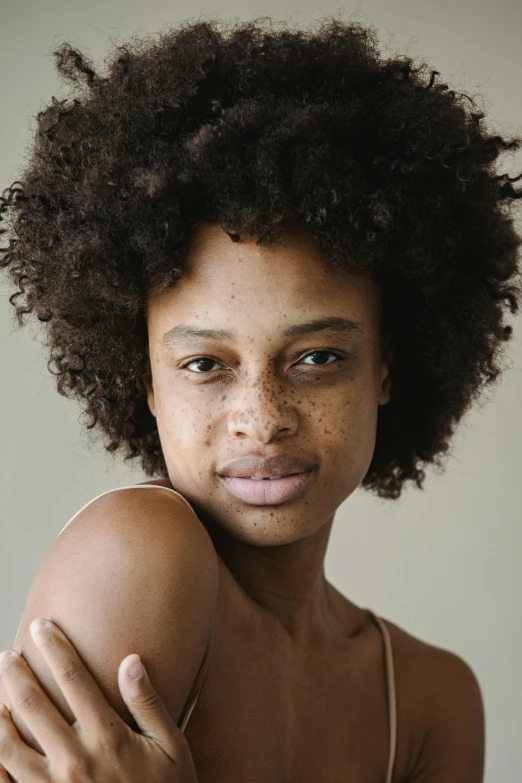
{"x":112,"y":739}
{"x":29,"y":700}
{"x":75,"y":769}
{"x":6,"y":746}
{"x":71,"y":672}
{"x":10,"y":663}
{"x":147,"y":701}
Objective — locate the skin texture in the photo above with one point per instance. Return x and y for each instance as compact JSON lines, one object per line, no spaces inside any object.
{"x":263,"y":398}
{"x":259,"y":399}
{"x":134,"y":572}
{"x":295,"y":688}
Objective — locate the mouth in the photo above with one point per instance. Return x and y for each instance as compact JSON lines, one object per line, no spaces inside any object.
{"x":271,"y":490}
{"x":269,"y":478}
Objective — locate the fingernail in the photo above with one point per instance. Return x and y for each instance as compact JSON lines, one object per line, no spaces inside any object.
{"x":136,"y":671}
{"x":7,"y":654}
{"x":38,"y":628}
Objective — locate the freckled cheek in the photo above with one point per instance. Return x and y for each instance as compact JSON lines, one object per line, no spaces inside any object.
{"x":348,"y":423}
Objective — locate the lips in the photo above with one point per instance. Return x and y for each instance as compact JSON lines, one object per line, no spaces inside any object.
{"x":270,"y":491}
{"x":266,"y":468}
{"x":264,"y":478}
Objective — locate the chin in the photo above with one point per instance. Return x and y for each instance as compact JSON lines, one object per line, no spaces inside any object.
{"x":271,"y":527}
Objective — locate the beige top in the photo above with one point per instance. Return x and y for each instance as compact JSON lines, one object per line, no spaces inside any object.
{"x":388,"y":653}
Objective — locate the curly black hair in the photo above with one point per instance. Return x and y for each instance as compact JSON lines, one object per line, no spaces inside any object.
{"x":262,"y":128}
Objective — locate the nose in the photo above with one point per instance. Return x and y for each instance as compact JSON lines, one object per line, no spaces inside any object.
{"x":261,"y":410}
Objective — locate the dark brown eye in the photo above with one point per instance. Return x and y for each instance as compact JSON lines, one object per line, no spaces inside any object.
{"x":203,"y":371}
{"x":199,"y":361}
{"x":324,"y":354}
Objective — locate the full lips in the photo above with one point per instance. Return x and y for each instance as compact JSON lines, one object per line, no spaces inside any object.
{"x":266,"y":492}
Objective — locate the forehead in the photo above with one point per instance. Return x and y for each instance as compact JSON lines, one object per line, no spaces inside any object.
{"x":296,"y":253}
{"x":222,"y":277}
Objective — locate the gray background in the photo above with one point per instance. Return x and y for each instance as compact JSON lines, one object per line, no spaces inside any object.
{"x":443,"y":563}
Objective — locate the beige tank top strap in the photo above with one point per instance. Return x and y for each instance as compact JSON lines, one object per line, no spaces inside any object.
{"x":196,"y":689}
{"x":127,"y":486}
{"x":392,"y":699}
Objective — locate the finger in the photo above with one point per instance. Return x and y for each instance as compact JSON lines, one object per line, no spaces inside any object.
{"x":146,"y":705}
{"x":17,"y":758}
{"x":29,"y":700}
{"x":4,"y":777}
{"x":81,"y":691}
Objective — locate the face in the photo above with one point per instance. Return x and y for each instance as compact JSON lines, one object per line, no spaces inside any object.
{"x":261,"y":391}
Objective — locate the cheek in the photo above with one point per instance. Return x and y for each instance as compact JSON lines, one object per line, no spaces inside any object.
{"x":349,"y":424}
{"x":343,"y":419}
{"x":184,"y":415}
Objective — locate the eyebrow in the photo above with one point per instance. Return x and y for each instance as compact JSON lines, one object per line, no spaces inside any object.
{"x":182,"y":332}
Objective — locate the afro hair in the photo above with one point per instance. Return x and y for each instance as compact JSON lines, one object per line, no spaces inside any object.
{"x":389,"y":170}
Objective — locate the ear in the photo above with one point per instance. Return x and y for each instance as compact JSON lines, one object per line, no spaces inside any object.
{"x":386,"y":365}
{"x":149,"y":384}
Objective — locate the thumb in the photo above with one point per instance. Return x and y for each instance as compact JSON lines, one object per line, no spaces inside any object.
{"x":146,"y":705}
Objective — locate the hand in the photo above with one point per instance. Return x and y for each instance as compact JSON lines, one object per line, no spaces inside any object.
{"x":99,"y":747}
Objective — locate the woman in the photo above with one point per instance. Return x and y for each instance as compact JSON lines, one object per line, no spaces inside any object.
{"x":275,"y":267}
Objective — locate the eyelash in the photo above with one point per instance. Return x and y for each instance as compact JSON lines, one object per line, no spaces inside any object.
{"x":310,"y":353}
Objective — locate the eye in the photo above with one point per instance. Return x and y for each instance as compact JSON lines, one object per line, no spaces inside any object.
{"x":323,"y":353}
{"x":203,"y":359}
{"x":199,"y":361}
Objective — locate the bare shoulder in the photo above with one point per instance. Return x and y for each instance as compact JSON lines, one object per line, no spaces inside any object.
{"x":146,"y":509}
{"x":150,"y":536}
{"x":135,"y":571}
{"x":440,"y":709}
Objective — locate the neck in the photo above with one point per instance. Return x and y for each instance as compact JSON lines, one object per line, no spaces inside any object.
{"x":287,"y":581}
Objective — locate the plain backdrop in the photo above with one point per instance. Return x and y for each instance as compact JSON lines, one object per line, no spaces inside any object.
{"x":443,"y":563}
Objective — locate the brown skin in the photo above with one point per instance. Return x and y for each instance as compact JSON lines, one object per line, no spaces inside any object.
{"x":264,"y":398}
{"x":318,"y":654}
{"x":295,"y":689}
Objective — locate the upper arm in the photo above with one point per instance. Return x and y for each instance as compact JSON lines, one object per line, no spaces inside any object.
{"x":135,"y":572}
{"x":453,"y":747}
